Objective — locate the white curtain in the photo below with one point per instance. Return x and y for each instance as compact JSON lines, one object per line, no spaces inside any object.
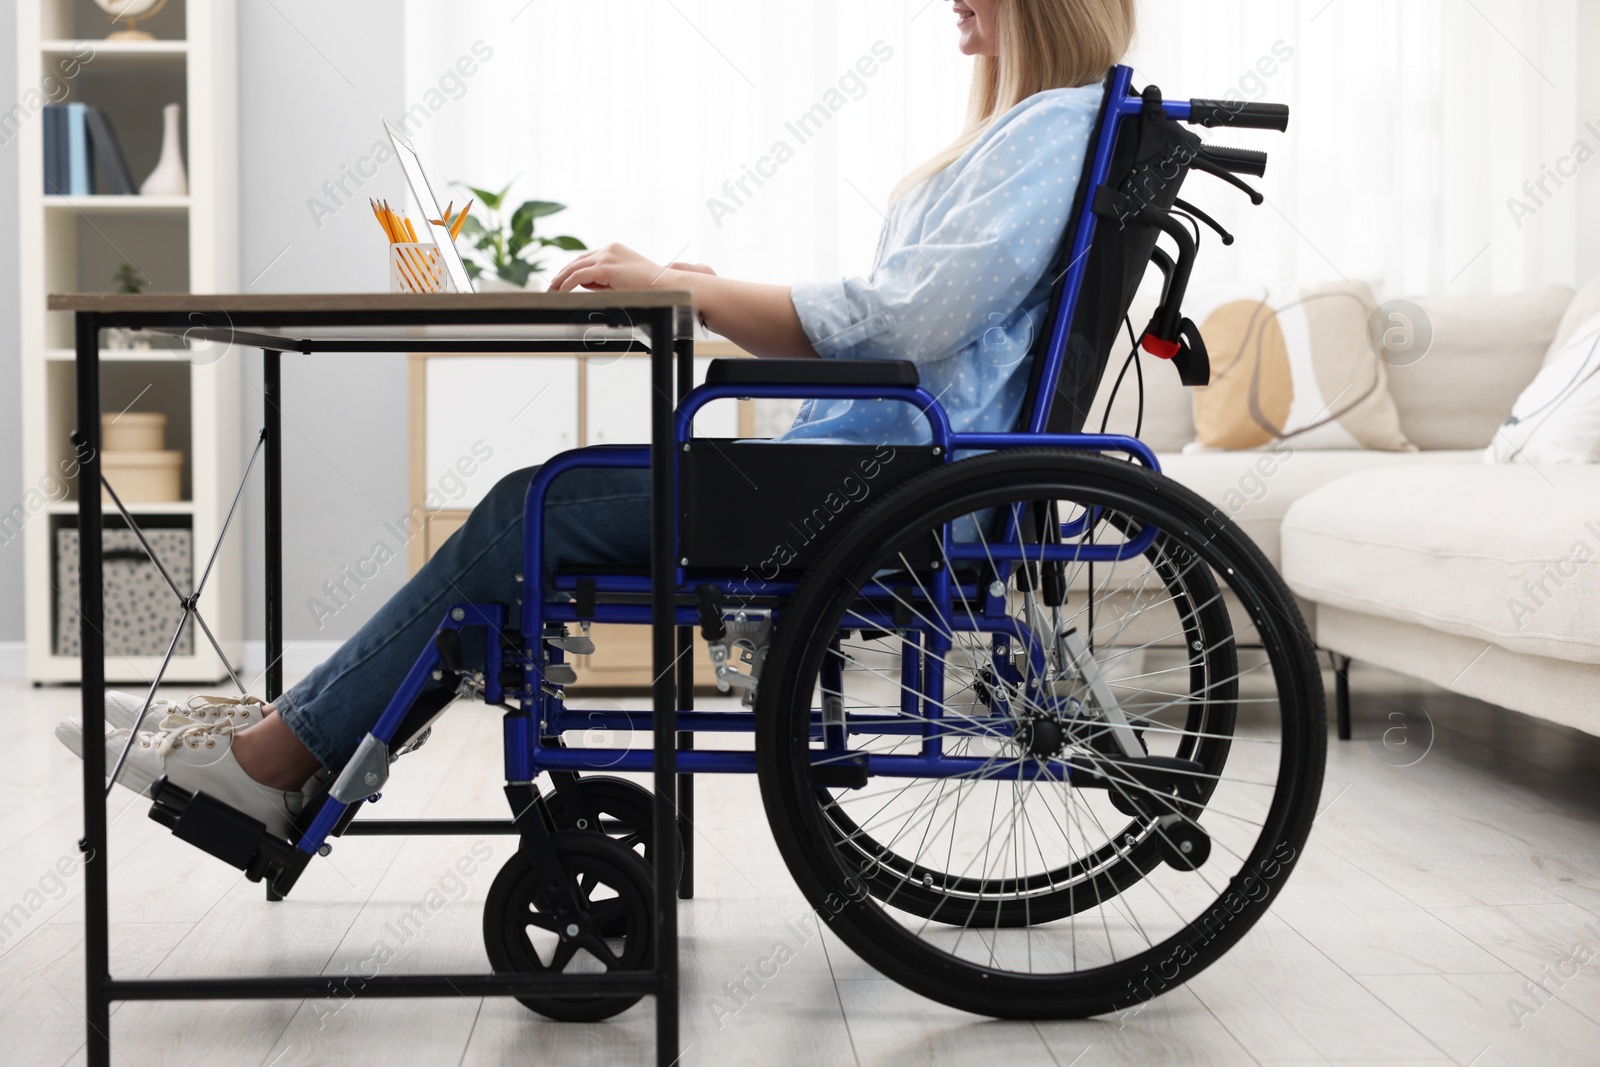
{"x":675,"y":126}
{"x":1413,"y":124}
{"x":639,"y":113}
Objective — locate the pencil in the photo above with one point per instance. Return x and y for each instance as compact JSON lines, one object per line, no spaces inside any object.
{"x":461,"y":220}
{"x":420,"y":267}
{"x":379,"y":216}
{"x":407,"y":271}
{"x":387,"y":218}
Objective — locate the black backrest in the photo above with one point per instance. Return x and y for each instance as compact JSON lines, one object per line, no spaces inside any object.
{"x":1148,"y":164}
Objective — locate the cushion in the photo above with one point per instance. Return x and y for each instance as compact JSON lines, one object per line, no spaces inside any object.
{"x":1300,"y":369}
{"x":1483,"y":352}
{"x":1255,"y":489}
{"x":1508,"y":555}
{"x":1557,"y":418}
{"x":1583,"y":307}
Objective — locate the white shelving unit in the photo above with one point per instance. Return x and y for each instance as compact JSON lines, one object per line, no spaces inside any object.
{"x":181,"y":244}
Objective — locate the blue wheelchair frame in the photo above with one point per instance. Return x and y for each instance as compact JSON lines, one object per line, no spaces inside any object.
{"x":531,"y":732}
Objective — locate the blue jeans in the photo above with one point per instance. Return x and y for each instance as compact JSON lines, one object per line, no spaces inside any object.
{"x":593,"y":517}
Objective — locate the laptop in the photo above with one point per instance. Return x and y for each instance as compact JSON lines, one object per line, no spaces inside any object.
{"x":412,"y":164}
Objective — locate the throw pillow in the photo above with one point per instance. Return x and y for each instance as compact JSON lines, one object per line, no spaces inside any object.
{"x":1557,"y":417}
{"x":1585,"y":305}
{"x":1300,"y":370}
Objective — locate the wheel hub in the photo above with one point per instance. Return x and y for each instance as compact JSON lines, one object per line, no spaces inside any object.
{"x":1042,"y":737}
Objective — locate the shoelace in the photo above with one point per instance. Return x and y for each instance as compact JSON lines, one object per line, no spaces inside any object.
{"x":203,"y":705}
{"x":206,"y":709}
{"x":178,"y":730}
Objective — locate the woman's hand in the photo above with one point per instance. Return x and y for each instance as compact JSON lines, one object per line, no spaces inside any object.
{"x":759,"y":318}
{"x":612,"y":267}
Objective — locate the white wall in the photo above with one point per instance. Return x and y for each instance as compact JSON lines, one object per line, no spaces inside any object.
{"x":11,"y":628}
{"x":1588,"y":252}
{"x":314,"y":80}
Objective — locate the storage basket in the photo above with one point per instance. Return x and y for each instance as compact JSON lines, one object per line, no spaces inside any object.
{"x":143,"y":477}
{"x":133,"y":431}
{"x":141,"y":612}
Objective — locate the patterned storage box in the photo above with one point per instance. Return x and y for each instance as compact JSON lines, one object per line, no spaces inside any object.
{"x":141,"y":611}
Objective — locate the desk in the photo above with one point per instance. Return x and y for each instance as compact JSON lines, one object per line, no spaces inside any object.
{"x":658,"y":321}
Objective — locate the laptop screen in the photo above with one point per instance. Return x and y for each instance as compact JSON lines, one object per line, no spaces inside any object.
{"x":423,"y":192}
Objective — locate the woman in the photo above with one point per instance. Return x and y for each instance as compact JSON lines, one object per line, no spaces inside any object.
{"x":958,"y":286}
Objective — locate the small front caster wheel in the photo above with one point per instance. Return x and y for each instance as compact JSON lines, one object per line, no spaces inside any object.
{"x":526,"y":931}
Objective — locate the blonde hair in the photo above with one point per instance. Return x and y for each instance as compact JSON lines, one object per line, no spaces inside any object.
{"x":1044,"y":44}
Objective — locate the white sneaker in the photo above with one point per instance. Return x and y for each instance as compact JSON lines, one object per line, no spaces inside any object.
{"x":122,"y":710}
{"x":197,"y":756}
{"x":240,"y":711}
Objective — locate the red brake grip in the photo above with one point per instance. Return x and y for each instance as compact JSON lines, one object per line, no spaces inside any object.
{"x":1157,"y":347}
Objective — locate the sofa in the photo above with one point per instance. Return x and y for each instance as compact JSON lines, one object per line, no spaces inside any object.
{"x":1483,"y":579}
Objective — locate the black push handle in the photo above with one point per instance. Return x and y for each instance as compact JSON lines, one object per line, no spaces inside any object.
{"x":1236,"y":160}
{"x":1239,"y":115}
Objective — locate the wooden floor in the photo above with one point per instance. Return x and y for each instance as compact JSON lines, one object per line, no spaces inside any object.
{"x":1451,"y":868}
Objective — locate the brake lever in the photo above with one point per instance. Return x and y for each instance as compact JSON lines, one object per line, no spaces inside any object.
{"x":1201,"y":163}
{"x":1184,"y":206}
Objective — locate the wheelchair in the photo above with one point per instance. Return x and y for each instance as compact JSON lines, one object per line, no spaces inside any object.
{"x":1038,"y":731}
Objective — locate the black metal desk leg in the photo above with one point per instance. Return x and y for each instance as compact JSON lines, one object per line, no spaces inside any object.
{"x":272,"y":429}
{"x":272,"y":439}
{"x":663,"y":542}
{"x":92,"y":680}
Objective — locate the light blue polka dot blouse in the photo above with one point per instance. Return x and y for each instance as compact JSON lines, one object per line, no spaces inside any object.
{"x":959,"y":285}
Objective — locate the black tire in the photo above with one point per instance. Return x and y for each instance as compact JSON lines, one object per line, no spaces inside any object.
{"x":617,"y":932}
{"x":625,"y":808}
{"x":1213,"y":894}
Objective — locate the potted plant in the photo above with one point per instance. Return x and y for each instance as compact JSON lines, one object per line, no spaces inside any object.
{"x":128,"y":280}
{"x":504,"y":247}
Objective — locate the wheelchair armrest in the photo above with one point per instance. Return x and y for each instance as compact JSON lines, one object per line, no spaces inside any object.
{"x":885,"y":372}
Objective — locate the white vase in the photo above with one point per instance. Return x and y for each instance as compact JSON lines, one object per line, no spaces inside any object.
{"x":168,"y":179}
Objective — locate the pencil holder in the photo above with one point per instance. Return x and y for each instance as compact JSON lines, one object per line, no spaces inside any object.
{"x":417,"y":268}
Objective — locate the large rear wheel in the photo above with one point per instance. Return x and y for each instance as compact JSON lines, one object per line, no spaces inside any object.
{"x":1027,"y":770}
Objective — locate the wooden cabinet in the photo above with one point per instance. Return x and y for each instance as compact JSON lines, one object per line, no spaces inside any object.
{"x":476,"y":418}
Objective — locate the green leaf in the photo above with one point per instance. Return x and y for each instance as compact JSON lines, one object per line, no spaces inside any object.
{"x":522,"y":218}
{"x":516,"y":272}
{"x":538,"y":209}
{"x":473,"y":227}
{"x":488,"y":199}
{"x":570,"y":244}
{"x":473,"y":270}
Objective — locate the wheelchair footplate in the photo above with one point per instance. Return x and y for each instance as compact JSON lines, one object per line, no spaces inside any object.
{"x":228,"y":834}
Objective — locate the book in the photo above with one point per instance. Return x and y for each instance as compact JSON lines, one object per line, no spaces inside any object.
{"x":55,"y":143}
{"x":108,"y":151}
{"x":80,"y":165}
